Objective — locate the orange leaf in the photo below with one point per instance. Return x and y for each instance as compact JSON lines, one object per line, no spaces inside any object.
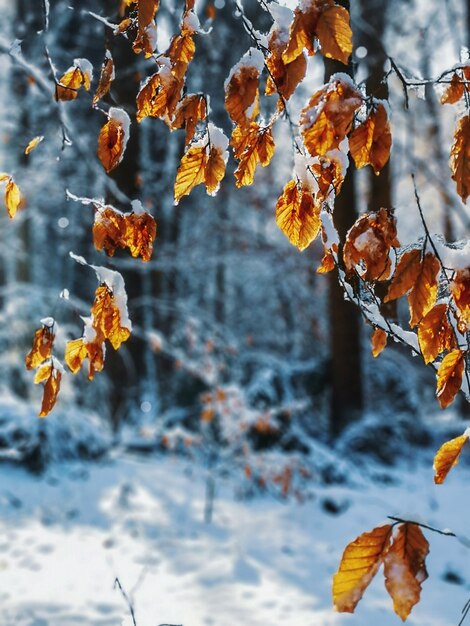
{"x":140,"y":233}
{"x":113,"y":138}
{"x":283,"y":77}
{"x":191,"y":171}
{"x":214,"y":170}
{"x":42,"y":348}
{"x":159,"y":95}
{"x":423,"y":295}
{"x":33,"y":144}
{"x":454,"y":91}
{"x":146,"y":40}
{"x":460,"y":157}
{"x":181,"y":53}
{"x":460,"y":288}
{"x":78,"y":350}
{"x":108,"y":230}
{"x":327,"y":263}
{"x":75,"y":77}
{"x":191,"y":110}
{"x":12,"y":198}
{"x":447,"y":457}
{"x":107,"y":317}
{"x":359,"y":564}
{"x":106,"y":78}
{"x":404,"y":568}
{"x":146,"y":12}
{"x":379,"y":341}
{"x":435,"y":334}
{"x":252,"y":145}
{"x":449,"y":377}
{"x":297,"y":215}
{"x":242,"y":88}
{"x":334,"y":33}
{"x":302,"y":31}
{"x":51,"y":376}
{"x":405,"y":275}
{"x":370,"y":142}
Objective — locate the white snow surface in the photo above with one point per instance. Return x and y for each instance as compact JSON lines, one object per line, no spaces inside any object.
{"x":252,"y":58}
{"x":66,"y":536}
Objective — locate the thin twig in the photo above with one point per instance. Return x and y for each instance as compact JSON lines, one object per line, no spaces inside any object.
{"x":117,"y":583}
{"x":447,"y":533}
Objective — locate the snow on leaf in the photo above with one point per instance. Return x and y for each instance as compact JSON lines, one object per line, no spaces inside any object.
{"x":242,"y":88}
{"x":251,"y":145}
{"x":449,"y":377}
{"x":435,"y":334}
{"x":359,"y":564}
{"x":113,"y":138}
{"x":460,"y":289}
{"x":107,"y":317}
{"x":42,"y":348}
{"x":404,"y":568}
{"x":190,"y":111}
{"x":370,"y":142}
{"x":447,"y":457}
{"x":460,"y":157}
{"x":297,"y":215}
{"x":454,"y":91}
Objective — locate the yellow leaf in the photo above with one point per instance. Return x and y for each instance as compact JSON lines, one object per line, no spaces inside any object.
{"x":379,"y":341}
{"x":252,"y":145}
{"x":449,"y":377}
{"x":370,"y":142}
{"x":334,"y":33}
{"x":51,"y":376}
{"x":108,"y":230}
{"x":241,"y":94}
{"x":78,"y":350}
{"x":140,"y":233}
{"x":404,"y":568}
{"x":214,"y":170}
{"x":405,"y":275}
{"x":359,"y":564}
{"x":181,"y":53}
{"x":302,"y":32}
{"x":106,"y":78}
{"x":460,"y":289}
{"x":283,"y":77}
{"x":297,"y":215}
{"x":42,"y":348}
{"x":191,"y":110}
{"x":33,"y":144}
{"x":423,"y":295}
{"x":191,"y":171}
{"x":460,"y":157}
{"x":327,"y":263}
{"x":112,"y":139}
{"x":107,"y":318}
{"x":435,"y":334}
{"x":447,"y":457}
{"x":12,"y":198}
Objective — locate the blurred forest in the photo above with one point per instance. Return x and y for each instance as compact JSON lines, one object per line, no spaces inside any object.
{"x":239,"y":344}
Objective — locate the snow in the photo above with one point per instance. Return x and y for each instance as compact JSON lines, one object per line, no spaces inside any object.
{"x":85,"y":66}
{"x":219,"y":140}
{"x":252,"y":58}
{"x":68,"y":534}
{"x":191,"y":22}
{"x":120,"y":116}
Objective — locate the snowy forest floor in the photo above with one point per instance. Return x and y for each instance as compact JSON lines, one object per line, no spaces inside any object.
{"x":66,"y":535}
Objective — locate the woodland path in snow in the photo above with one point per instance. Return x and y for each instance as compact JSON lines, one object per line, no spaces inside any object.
{"x":65,"y":536}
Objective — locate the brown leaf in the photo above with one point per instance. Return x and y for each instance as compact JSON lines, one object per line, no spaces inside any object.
{"x":112,"y":140}
{"x":302,"y":31}
{"x":297,"y":215}
{"x":51,"y":376}
{"x":140,"y":233}
{"x":283,"y":77}
{"x":423,"y":295}
{"x":159,"y":95}
{"x":70,"y":82}
{"x":146,"y":12}
{"x":252,"y":145}
{"x":107,"y":318}
{"x":327,"y":263}
{"x":447,"y":457}
{"x":191,"y":110}
{"x":435,"y":334}
{"x":334,"y":33}
{"x":405,"y":275}
{"x":78,"y":350}
{"x":404,"y":568}
{"x":242,"y":94}
{"x":12,"y":198}
{"x":214,"y":170}
{"x":106,"y":78}
{"x":370,"y":142}
{"x":359,"y":564}
{"x":460,"y":157}
{"x":460,"y":289}
{"x":449,"y":377}
{"x":454,"y":91}
{"x":42,"y":348}
{"x":379,"y":341}
{"x":181,"y":53}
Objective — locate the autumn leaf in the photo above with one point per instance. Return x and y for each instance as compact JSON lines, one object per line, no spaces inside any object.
{"x":334,"y":33}
{"x":405,"y":275}
{"x":460,"y":157}
{"x":301,"y":32}
{"x":447,"y":457}
{"x":106,"y":78}
{"x":283,"y":78}
{"x":190,"y":171}
{"x":181,"y":53}
{"x":146,"y":40}
{"x":404,"y":568}
{"x":146,"y":12}
{"x":159,"y":95}
{"x":33,"y":144}
{"x":370,"y":142}
{"x":368,"y":244}
{"x":423,"y":295}
{"x":460,"y":289}
{"x":252,"y":145}
{"x":140,"y":233}
{"x":77,"y":350}
{"x":80,"y":75}
{"x":435,"y":334}
{"x":449,"y":377}
{"x":108,"y":230}
{"x":297,"y":215}
{"x":328,"y":116}
{"x":329,"y":173}
{"x":242,"y":88}
{"x":379,"y":341}
{"x":51,"y":377}
{"x":107,"y":317}
{"x":189,"y":112}
{"x":359,"y":564}
{"x":113,"y":138}
{"x":327,"y":263}
{"x":42,"y":348}
{"x":214,"y":170}
{"x":12,"y":198}
{"x":454,"y":91}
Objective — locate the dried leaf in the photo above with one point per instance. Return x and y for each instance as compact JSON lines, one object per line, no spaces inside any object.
{"x":140,"y":233}
{"x":297,"y":215}
{"x":191,"y":171}
{"x":42,"y":348}
{"x":335,"y":34}
{"x":460,"y":157}
{"x":404,"y":568}
{"x":12,"y":198}
{"x":242,"y":94}
{"x":106,"y":78}
{"x":252,"y":145}
{"x":423,"y":295}
{"x":370,"y":142}
{"x":359,"y":564}
{"x":78,"y":350}
{"x":447,"y":457}
{"x":52,"y":377}
{"x":181,"y":53}
{"x":33,"y":144}
{"x":214,"y":170}
{"x":435,"y":334}
{"x":302,"y":31}
{"x":454,"y":91}
{"x":112,"y":139}
{"x":405,"y":275}
{"x":379,"y":341}
{"x":327,"y":263}
{"x":107,"y":317}
{"x":283,"y":77}
{"x":75,"y":77}
{"x":460,"y":289}
{"x":449,"y":377}
{"x":191,"y":110}
{"x":146,"y":12}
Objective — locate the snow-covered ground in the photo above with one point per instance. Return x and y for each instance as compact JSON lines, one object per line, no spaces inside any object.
{"x":65,"y":536}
